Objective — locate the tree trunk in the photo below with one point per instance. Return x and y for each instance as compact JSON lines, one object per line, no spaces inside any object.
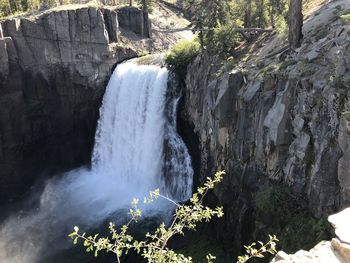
{"x":130,"y":2}
{"x":272,"y":13}
{"x":295,"y":23}
{"x":261,"y":14}
{"x":10,"y":9}
{"x":248,"y":14}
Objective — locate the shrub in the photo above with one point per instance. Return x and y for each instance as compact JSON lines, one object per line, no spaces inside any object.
{"x":285,"y":64}
{"x":155,"y":246}
{"x":345,"y":17}
{"x":303,"y":231}
{"x":223,"y":39}
{"x":281,"y":27}
{"x":181,"y":55}
{"x":346,"y":115}
{"x":295,"y":226}
{"x":146,"y":5}
{"x":309,"y":157}
{"x":200,"y":249}
{"x":274,"y":201}
{"x":226,"y":66}
{"x":308,"y":69}
{"x":47,"y":4}
{"x":340,"y":82}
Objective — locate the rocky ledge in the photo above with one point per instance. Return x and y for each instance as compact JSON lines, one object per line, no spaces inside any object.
{"x":54,"y":67}
{"x":335,"y":251}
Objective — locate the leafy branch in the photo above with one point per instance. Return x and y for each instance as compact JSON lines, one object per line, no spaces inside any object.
{"x":155,"y":246}
{"x":254,"y":252}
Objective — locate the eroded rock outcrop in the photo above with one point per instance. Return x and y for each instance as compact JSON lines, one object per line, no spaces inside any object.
{"x":276,"y":117}
{"x":335,"y":251}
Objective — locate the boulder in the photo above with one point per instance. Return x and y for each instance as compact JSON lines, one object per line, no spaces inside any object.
{"x":335,"y":251}
{"x":340,"y":223}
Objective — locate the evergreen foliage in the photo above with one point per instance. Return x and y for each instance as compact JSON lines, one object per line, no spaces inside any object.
{"x":14,"y":7}
{"x":216,"y":21}
{"x":146,"y":5}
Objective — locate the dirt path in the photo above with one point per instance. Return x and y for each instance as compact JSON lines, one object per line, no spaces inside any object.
{"x":166,"y":18}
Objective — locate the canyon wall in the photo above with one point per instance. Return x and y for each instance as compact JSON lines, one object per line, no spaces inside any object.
{"x":53,"y":70}
{"x":277,"y":117}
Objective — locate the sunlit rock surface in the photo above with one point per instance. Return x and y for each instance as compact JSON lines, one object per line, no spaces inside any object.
{"x":335,"y":251}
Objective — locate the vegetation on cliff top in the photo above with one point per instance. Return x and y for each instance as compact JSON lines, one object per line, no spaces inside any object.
{"x":225,"y":28}
{"x":14,"y":7}
{"x":181,"y":55}
{"x":245,"y":18}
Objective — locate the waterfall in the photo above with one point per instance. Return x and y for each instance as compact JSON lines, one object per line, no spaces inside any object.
{"x":178,"y":170}
{"x":132,"y":129}
{"x":137,"y":150}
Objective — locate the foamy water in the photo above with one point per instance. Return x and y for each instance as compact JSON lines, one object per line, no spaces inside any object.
{"x":128,"y":161}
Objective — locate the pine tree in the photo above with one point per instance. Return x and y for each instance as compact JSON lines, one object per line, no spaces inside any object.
{"x":146,"y":5}
{"x":5,"y":8}
{"x":248,"y":14}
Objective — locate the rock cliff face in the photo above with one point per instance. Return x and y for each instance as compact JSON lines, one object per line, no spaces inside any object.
{"x":53,"y":70}
{"x":276,"y":117}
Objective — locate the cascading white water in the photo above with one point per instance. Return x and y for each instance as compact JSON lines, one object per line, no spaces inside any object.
{"x":178,"y":166}
{"x":132,"y":129}
{"x":128,"y":161}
